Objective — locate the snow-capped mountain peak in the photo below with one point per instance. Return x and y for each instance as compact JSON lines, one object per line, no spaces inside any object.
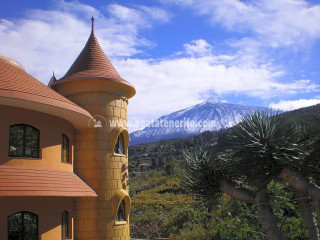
{"x":212,"y":100}
{"x":210,"y":115}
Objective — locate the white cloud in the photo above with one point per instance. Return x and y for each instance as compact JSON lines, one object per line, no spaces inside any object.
{"x":198,"y":48}
{"x":142,"y":16}
{"x":47,"y":40}
{"x":125,"y":14}
{"x":275,"y":22}
{"x":289,"y":105}
{"x":157,"y":14}
{"x":77,"y":8}
{"x":167,"y":85}
{"x":42,"y":45}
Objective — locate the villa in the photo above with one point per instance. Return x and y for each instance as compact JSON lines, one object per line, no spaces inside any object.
{"x":63,"y":167}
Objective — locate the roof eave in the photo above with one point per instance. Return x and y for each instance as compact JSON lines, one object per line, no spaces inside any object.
{"x":77,"y":119}
{"x":71,"y":85}
{"x":40,"y":182}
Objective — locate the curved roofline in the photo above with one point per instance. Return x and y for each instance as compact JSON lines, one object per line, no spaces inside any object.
{"x":12,"y":62}
{"x":20,"y":89}
{"x":76,"y":118}
{"x":130,"y":93}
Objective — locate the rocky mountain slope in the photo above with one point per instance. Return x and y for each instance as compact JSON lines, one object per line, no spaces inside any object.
{"x":211,"y":115}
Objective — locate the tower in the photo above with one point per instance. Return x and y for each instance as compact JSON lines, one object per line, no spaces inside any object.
{"x":101,"y":149}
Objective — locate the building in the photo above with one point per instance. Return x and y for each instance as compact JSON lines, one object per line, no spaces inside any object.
{"x":64,"y":151}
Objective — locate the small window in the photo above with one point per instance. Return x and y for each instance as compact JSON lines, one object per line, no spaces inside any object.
{"x":65,"y":149}
{"x":65,"y":225}
{"x":23,"y":226}
{"x":23,"y":141}
{"x":119,"y":147}
{"x":121,"y":214}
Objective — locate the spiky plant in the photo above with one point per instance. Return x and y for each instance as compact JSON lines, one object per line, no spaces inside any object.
{"x":261,"y":148}
{"x":265,"y":147}
{"x":262,"y":145}
{"x":209,"y":175}
{"x":200,"y":179}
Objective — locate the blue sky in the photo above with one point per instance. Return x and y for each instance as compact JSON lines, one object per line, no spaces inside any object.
{"x":177,"y":52}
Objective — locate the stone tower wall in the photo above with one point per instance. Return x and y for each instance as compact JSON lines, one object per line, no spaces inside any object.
{"x":97,"y":164}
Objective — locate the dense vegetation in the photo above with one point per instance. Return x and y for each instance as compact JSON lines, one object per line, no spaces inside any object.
{"x":167,"y":152}
{"x":162,"y":207}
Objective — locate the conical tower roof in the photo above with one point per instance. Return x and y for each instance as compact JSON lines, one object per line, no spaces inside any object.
{"x":92,"y":63}
{"x":52,"y":80}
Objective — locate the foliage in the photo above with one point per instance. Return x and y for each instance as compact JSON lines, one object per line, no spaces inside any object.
{"x":170,"y":168}
{"x":205,"y":169}
{"x":161,"y":193}
{"x":186,"y":217}
{"x":169,"y":151}
{"x":261,"y":145}
{"x":254,"y":154}
{"x":286,"y":210}
{"x":153,"y":201}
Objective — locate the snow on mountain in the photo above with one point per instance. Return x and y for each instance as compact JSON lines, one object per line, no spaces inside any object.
{"x":211,"y":115}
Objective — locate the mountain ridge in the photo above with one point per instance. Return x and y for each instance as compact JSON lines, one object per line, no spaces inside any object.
{"x":210,"y":115}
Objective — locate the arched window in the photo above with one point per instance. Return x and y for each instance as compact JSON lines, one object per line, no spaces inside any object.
{"x":65,"y":149}
{"x":121,"y":213}
{"x":24,"y":141}
{"x":120,"y":203}
{"x":23,"y":226}
{"x":65,"y":225}
{"x":119,"y":147}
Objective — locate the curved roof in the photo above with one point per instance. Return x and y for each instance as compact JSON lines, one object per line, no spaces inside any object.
{"x":19,"y":89}
{"x":12,"y":62}
{"x":92,"y":63}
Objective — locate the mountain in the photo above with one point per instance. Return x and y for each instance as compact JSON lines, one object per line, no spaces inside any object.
{"x":211,"y":115}
{"x":157,"y":154}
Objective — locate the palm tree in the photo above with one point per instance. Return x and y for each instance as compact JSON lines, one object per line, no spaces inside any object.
{"x":260,"y":149}
{"x":263,"y":145}
{"x":208,"y":176}
{"x":268,"y":147}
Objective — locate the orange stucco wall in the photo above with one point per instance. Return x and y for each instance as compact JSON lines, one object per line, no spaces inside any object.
{"x":48,"y":210}
{"x":51,"y":129}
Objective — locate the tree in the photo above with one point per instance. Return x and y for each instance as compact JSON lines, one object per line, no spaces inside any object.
{"x":161,"y":163}
{"x":272,"y":147}
{"x":261,"y":149}
{"x":170,"y":168}
{"x":207,"y":176}
{"x":154,"y":163}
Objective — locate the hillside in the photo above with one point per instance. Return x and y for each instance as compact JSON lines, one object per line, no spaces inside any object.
{"x":161,"y":207}
{"x":308,"y":117}
{"x":159,"y":153}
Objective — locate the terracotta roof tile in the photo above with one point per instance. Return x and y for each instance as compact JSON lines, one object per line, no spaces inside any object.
{"x":21,"y":181}
{"x":19,"y":83}
{"x":52,"y":80}
{"x":15,"y":83}
{"x":92,"y":63}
